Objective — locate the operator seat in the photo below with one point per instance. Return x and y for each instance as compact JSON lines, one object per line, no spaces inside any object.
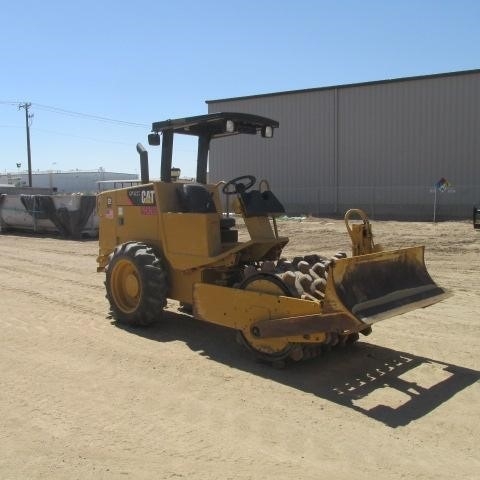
{"x":195,"y":198}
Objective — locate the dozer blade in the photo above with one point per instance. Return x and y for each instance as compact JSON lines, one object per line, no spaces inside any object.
{"x":360,"y":291}
{"x":380,"y":285}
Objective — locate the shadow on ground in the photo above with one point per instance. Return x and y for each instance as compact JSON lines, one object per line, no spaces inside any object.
{"x":350,"y":376}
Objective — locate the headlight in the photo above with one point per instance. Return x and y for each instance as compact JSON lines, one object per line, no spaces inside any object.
{"x":230,"y":126}
{"x":267,"y":131}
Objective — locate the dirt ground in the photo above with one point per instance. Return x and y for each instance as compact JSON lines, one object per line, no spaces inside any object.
{"x":81,"y":397}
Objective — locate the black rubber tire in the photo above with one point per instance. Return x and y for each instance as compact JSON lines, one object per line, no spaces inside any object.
{"x":136,"y":284}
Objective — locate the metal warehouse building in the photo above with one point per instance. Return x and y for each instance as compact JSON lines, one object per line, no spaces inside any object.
{"x":396,"y":148}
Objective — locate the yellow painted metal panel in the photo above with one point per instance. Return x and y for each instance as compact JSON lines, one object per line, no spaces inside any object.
{"x":192,"y":234}
{"x":236,"y":308}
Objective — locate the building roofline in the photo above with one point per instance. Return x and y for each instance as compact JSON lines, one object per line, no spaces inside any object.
{"x":349,"y":85}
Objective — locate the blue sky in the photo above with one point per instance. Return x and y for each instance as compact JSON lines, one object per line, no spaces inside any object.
{"x":142,"y":62}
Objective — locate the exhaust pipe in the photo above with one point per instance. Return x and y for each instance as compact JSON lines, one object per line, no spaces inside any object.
{"x":143,"y":163}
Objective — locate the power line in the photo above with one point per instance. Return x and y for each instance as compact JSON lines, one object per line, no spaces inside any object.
{"x":72,"y":113}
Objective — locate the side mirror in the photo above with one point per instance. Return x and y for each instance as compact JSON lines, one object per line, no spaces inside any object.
{"x":154,"y":139}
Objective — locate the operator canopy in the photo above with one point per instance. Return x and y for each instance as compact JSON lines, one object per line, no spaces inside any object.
{"x":216,"y":125}
{"x":206,"y":128}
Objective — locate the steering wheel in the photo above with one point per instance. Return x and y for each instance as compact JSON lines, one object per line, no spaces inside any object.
{"x":238,"y":185}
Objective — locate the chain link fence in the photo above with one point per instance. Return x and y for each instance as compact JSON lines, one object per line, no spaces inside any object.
{"x":395,"y":203}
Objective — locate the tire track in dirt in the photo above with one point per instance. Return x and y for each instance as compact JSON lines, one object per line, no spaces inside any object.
{"x":49,"y":276}
{"x":53,"y":265}
{"x":49,"y":299}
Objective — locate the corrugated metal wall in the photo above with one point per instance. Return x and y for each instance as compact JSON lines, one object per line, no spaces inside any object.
{"x":380,"y":146}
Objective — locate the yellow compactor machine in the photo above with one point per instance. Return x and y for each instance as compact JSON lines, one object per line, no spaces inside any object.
{"x":168,"y":239}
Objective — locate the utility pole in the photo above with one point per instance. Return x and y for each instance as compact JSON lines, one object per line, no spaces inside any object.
{"x":26,"y":106}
